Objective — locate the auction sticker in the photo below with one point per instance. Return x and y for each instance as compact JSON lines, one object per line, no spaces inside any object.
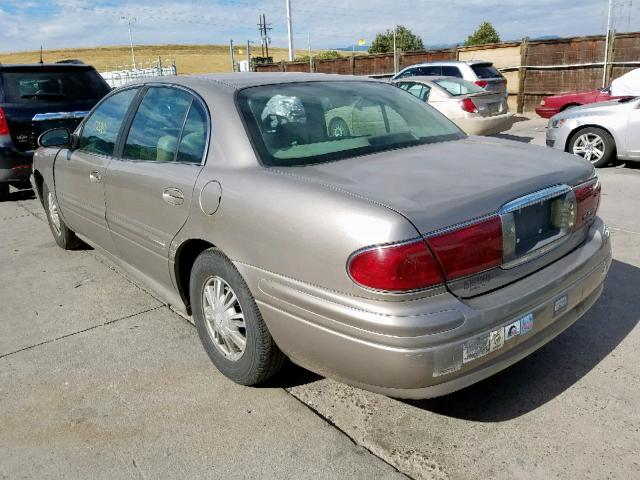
{"x":512,"y":330}
{"x":496,"y":340}
{"x":475,"y":348}
{"x":526,"y":324}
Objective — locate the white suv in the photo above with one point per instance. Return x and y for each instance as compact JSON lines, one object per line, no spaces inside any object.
{"x":483,"y":74}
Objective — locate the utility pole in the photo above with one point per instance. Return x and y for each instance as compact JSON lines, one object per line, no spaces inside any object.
{"x":309,"y":52}
{"x":233,"y":60}
{"x":264,"y":34}
{"x":606,"y":44}
{"x":133,"y":54}
{"x":290,"y":31}
{"x":249,"y":54}
{"x":395,"y":50}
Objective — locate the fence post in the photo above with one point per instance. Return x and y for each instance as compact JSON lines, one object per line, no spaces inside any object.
{"x":282,"y":66}
{"x":609,"y":58}
{"x":524,"y":47}
{"x":352,"y":63}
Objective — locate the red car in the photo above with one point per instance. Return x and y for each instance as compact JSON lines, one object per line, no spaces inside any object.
{"x":557,"y":103}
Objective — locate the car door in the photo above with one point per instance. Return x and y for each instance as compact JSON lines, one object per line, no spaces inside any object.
{"x":150,"y":182}
{"x":633,"y":133}
{"x":79,"y":173}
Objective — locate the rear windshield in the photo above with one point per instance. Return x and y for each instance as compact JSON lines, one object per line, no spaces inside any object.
{"x":486,"y":70}
{"x":312,"y":122}
{"x":52,"y":85}
{"x":457,"y":86}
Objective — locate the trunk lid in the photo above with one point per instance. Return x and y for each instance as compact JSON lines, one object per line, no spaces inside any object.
{"x":446,"y":184}
{"x":488,"y":104}
{"x":27,"y":123}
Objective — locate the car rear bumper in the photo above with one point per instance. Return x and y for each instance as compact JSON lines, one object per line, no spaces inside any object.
{"x":546,"y":112}
{"x":14,"y":164}
{"x":415,"y":349}
{"x":486,"y":125}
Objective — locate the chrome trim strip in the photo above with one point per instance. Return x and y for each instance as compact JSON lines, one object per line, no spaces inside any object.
{"x":39,"y":117}
{"x":535,"y":197}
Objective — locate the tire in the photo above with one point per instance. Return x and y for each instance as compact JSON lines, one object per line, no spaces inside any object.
{"x":338,"y":128}
{"x":4,"y":192}
{"x":260,"y":358}
{"x":64,"y":237}
{"x":594,"y":145}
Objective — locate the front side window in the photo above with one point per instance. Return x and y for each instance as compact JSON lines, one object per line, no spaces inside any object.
{"x":457,"y":86}
{"x":430,"y":71}
{"x":305,"y":123}
{"x":101,"y":129}
{"x":157,"y":125}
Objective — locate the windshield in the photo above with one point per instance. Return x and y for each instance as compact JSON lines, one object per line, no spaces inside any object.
{"x":457,"y":86}
{"x":305,"y":123}
{"x":51,"y":85}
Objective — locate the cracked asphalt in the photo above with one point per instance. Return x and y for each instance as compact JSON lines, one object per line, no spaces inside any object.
{"x":98,"y":379}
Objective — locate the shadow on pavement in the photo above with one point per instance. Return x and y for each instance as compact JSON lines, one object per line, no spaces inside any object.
{"x":515,"y":138}
{"x":16,"y":195}
{"x":291,"y":376}
{"x":554,"y":368}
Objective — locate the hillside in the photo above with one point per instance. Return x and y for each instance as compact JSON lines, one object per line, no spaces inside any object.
{"x":188,"y":58}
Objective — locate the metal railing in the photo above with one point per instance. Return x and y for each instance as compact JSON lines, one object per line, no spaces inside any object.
{"x":124,"y":74}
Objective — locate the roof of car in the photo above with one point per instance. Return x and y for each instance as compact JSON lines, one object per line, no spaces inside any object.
{"x":452,"y":62}
{"x":237,"y":81}
{"x":45,"y":66}
{"x":426,"y":78}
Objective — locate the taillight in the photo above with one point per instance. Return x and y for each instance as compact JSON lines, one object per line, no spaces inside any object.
{"x":4,"y":126}
{"x":468,"y":105}
{"x":588,"y":201}
{"x":481,"y":83}
{"x":400,"y":267}
{"x":470,"y":249}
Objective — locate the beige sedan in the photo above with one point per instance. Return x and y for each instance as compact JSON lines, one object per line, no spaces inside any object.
{"x":473,"y":109}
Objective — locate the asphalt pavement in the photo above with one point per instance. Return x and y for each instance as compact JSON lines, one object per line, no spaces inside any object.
{"x":98,"y":379}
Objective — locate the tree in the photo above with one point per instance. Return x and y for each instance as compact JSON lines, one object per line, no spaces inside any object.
{"x":406,"y":41}
{"x":326,"y":55}
{"x":483,"y":35}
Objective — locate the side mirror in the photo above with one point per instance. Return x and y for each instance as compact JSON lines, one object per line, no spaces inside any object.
{"x":56,"y":137}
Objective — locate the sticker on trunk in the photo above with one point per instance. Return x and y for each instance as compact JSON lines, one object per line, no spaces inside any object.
{"x":475,"y":348}
{"x":496,"y":340}
{"x":560,"y":304}
{"x":512,"y":330}
{"x":526,"y":324}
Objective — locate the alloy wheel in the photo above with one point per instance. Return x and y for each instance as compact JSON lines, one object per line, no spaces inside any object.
{"x":590,"y":147}
{"x":54,"y":215}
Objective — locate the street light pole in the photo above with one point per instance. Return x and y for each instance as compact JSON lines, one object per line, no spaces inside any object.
{"x":133,"y":55}
{"x":290,"y":31}
{"x":606,"y":44}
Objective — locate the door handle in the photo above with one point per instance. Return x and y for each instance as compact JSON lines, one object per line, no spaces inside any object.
{"x":95,"y":177}
{"x":173,"y":196}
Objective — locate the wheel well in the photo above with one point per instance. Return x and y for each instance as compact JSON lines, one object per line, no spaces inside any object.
{"x":569,"y":105}
{"x":582,"y":127}
{"x":184,"y":260}
{"x":37,"y":176}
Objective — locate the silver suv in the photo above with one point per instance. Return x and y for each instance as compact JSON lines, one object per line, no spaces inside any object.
{"x":483,"y":74}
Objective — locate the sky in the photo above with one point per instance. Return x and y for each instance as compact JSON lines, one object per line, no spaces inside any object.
{"x":27,"y":24}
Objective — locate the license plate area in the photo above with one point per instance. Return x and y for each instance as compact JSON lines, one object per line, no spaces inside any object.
{"x":537,"y":223}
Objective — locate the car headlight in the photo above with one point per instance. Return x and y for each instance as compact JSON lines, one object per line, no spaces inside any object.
{"x":558,"y":122}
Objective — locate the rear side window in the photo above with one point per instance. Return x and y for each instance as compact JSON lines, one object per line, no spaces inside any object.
{"x":101,"y":129}
{"x":156,"y":127}
{"x":448,"y":71}
{"x":486,"y":70}
{"x":429,"y":71}
{"x":194,"y":136}
{"x":418,"y":90}
{"x":52,"y":85}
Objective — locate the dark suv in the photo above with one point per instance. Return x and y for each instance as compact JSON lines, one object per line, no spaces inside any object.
{"x":33,"y":99}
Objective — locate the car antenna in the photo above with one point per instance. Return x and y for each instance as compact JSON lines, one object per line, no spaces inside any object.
{"x":41,"y":62}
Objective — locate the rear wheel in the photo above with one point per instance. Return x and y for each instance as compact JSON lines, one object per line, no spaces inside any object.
{"x":594,"y":145}
{"x":229,"y":323}
{"x":338,"y":128}
{"x":64,"y":237}
{"x":4,"y":191}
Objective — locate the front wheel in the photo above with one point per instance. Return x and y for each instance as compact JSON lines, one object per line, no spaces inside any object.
{"x":229,"y":323}
{"x":64,"y":237}
{"x":594,"y":145}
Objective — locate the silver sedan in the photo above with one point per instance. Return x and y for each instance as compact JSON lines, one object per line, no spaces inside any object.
{"x":403,"y":256}
{"x":599,"y":132}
